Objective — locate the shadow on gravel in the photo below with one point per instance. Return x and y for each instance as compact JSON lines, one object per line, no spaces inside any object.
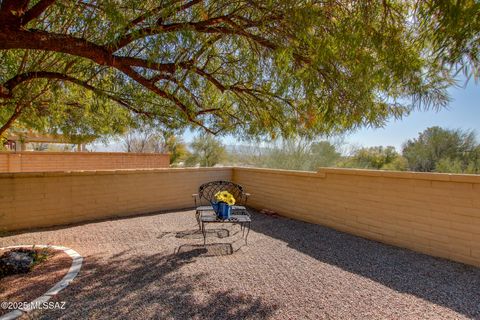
{"x":152,"y":287}
{"x":197,"y":234}
{"x":446,"y":283}
{"x":209,"y":250}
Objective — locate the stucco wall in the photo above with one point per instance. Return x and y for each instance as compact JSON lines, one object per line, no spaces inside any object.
{"x":437,"y":214}
{"x":71,"y":161}
{"x":29,"y":200}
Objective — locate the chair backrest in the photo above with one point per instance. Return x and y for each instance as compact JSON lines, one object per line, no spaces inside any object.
{"x":207,"y":191}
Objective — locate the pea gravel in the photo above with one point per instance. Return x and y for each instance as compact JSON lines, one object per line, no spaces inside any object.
{"x":155,"y":266}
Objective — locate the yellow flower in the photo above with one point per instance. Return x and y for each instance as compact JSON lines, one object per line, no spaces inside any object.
{"x":225,"y":196}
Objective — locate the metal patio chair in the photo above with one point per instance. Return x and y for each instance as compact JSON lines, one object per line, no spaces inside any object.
{"x":206,"y":195}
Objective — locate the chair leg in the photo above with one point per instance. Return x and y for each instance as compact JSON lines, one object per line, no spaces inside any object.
{"x":204,"y":232}
{"x":197,"y":216}
{"x":248,"y":231}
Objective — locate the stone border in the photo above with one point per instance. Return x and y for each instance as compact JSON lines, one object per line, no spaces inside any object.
{"x":77,"y":260}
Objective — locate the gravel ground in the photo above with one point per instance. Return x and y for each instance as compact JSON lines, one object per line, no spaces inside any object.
{"x":155,"y":267}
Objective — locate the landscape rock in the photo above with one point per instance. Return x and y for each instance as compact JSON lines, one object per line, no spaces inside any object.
{"x":14,"y":262}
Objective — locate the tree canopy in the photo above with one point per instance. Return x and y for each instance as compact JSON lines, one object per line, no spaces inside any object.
{"x":207,"y":151}
{"x":155,"y":140}
{"x":443,"y":150}
{"x":292,"y":154}
{"x":379,"y":158}
{"x":247,"y":67}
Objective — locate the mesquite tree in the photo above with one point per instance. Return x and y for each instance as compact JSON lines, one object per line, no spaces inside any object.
{"x":248,"y":67}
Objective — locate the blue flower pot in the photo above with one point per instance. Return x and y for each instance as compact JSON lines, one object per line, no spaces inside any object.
{"x":215,"y":207}
{"x":222,"y":210}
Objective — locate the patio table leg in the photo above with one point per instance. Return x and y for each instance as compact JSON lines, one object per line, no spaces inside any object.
{"x":197,"y":215}
{"x":204,"y":232}
{"x":248,"y":231}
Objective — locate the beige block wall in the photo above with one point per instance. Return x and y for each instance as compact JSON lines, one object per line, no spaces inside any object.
{"x":71,"y":161}
{"x":29,"y":200}
{"x":436,"y":214}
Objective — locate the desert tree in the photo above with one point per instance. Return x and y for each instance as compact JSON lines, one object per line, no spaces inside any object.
{"x":247,"y":67}
{"x":378,"y":158}
{"x":443,"y":150}
{"x":155,"y":139}
{"x":206,"y":151}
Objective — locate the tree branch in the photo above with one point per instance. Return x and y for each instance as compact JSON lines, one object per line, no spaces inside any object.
{"x":128,"y":38}
{"x":35,"y":11}
{"x":12,"y":10}
{"x":13,"y":36}
{"x":147,"y":15}
{"x":149,"y":84}
{"x":41,"y":40}
{"x":11,"y":120}
{"x":159,"y":9}
{"x":28,"y":76}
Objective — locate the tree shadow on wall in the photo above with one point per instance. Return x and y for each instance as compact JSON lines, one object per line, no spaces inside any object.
{"x":152,"y":286}
{"x":440,"y":281}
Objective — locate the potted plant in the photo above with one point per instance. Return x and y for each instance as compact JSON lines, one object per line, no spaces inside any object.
{"x":222,"y":206}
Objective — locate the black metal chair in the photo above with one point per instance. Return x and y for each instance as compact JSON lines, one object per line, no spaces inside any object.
{"x":206,"y":195}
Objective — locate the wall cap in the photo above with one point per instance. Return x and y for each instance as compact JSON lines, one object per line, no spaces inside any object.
{"x":283,"y":171}
{"x":321,"y":173}
{"x":14,"y":175}
{"x":75,"y":153}
{"x":433,"y":176}
{"x":324,"y":171}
